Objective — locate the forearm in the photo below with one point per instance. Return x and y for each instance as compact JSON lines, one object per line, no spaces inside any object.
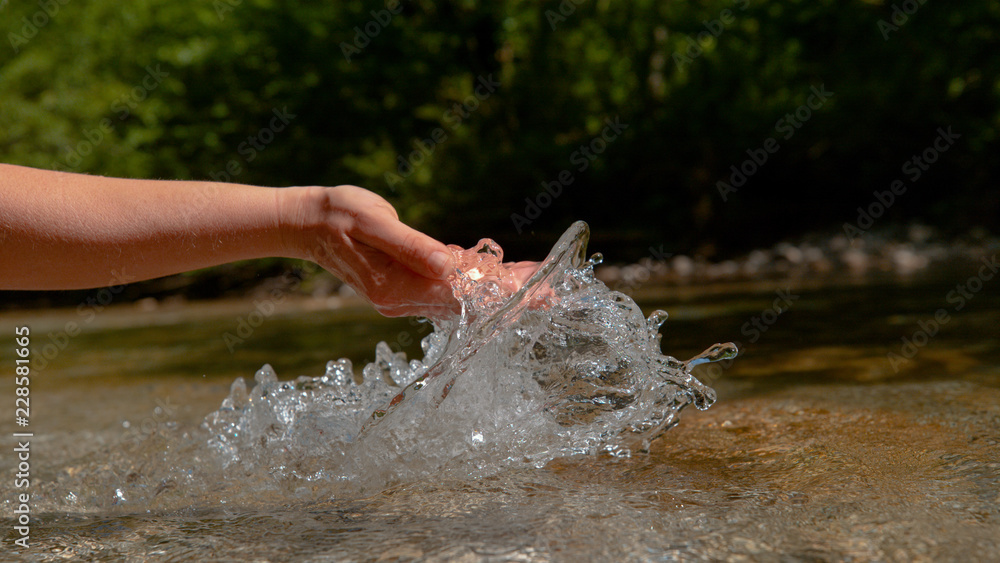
{"x":73,"y":231}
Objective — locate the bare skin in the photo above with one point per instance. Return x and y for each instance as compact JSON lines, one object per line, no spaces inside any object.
{"x":72,"y":231}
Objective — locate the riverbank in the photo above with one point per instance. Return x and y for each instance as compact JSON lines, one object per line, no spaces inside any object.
{"x":915,"y":254}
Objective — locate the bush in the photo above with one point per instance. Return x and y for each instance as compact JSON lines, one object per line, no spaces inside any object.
{"x":388,"y":100}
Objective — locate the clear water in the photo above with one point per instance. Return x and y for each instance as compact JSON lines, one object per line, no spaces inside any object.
{"x":560,"y":366}
{"x":816,"y":449}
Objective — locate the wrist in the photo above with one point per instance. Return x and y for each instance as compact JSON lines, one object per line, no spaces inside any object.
{"x":301,"y":213}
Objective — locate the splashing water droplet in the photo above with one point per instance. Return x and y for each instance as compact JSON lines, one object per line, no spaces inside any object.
{"x":562,"y":365}
{"x":339,"y":372}
{"x":716,"y":353}
{"x":653,"y":323}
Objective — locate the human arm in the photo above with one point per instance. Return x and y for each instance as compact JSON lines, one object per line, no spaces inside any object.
{"x":72,"y":231}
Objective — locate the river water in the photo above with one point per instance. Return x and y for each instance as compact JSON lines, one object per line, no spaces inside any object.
{"x":820,"y":446}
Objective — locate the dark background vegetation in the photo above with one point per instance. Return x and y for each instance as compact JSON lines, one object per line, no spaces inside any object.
{"x":563,"y":68}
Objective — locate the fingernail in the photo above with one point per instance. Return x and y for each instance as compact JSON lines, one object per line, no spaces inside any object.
{"x":440,"y":263}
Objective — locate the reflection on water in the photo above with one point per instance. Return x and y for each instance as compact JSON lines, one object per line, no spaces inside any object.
{"x":816,"y":449}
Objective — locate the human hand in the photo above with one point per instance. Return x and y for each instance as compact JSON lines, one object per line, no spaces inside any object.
{"x":522,"y":272}
{"x":357,"y":235}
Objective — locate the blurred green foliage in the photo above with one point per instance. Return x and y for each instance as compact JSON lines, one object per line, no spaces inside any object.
{"x":180,"y":86}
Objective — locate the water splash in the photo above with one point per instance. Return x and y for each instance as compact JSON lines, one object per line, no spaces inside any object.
{"x":560,"y":366}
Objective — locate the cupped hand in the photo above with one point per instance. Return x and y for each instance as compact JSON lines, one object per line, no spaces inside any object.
{"x":357,"y":235}
{"x":521,"y":272}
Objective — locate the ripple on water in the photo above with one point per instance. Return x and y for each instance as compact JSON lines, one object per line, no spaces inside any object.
{"x":560,"y":366}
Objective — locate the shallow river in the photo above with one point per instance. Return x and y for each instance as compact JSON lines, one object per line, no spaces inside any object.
{"x":817,"y":448}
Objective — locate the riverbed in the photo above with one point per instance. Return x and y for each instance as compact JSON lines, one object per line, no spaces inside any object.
{"x":832,"y":437}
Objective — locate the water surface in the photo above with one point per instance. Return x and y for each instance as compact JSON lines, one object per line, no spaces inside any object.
{"x":815,"y":450}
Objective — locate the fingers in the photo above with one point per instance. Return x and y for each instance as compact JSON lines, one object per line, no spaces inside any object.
{"x":407,"y":295}
{"x":396,"y":290}
{"x":436,"y":303}
{"x":522,"y":271}
{"x":415,"y":250}
{"x":400,"y":270}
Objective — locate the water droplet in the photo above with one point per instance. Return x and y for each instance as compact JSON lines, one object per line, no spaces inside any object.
{"x":656,"y":320}
{"x":265,"y":375}
{"x":578,"y":372}
{"x":715,"y":353}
